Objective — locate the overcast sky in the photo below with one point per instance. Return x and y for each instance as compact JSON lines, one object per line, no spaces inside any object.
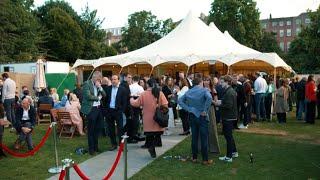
{"x":116,"y":12}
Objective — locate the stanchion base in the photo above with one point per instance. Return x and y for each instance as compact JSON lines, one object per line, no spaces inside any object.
{"x":55,"y":170}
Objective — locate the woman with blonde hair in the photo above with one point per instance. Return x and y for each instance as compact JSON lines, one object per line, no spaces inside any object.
{"x":73,"y":107}
{"x":54,"y":95}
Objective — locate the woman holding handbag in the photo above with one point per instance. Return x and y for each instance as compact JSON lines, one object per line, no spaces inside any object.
{"x":149,"y":100}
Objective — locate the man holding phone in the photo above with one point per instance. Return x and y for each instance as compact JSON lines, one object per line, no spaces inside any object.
{"x":91,"y":108}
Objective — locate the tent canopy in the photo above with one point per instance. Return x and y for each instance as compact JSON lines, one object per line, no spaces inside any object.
{"x":191,"y":42}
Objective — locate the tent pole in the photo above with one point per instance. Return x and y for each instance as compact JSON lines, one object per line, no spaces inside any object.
{"x":188,"y":70}
{"x":151,"y":72}
{"x":63,"y":80}
{"x":91,"y":73}
{"x":275,"y":86}
{"x":228,"y":70}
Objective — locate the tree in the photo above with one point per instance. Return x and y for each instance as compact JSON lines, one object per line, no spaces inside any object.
{"x":20,"y":33}
{"x":269,"y":43}
{"x":143,"y":29}
{"x":93,"y":34}
{"x":66,"y":39}
{"x":240,"y":18}
{"x":304,"y":52}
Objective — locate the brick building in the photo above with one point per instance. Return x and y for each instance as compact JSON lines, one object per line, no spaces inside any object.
{"x":286,"y":28}
{"x":113,"y":35}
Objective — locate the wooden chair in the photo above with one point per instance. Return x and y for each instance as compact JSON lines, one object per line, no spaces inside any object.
{"x":44,"y":110}
{"x":67,"y":127}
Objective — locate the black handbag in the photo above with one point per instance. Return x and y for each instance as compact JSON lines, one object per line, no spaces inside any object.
{"x":161,"y":116}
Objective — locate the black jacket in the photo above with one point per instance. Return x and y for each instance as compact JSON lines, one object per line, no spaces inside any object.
{"x":301,"y":90}
{"x":121,"y":98}
{"x":45,"y":100}
{"x":19,"y":114}
{"x":228,"y":106}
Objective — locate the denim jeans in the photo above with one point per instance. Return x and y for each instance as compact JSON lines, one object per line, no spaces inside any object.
{"x":260,"y":106}
{"x":199,"y":126}
{"x":301,"y":109}
{"x":10,"y":111}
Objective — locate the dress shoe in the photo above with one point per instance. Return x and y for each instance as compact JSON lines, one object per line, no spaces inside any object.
{"x":113,"y":148}
{"x":152,"y":152}
{"x":207,"y":163}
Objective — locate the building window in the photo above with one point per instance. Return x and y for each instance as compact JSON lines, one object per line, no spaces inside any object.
{"x":298,"y":30}
{"x":281,"y":33}
{"x":281,"y":44}
{"x":119,"y":31}
{"x":307,"y":20}
{"x":288,"y":32}
{"x":288,"y":45}
{"x":281,"y":23}
{"x":264,"y":25}
{"x":274,"y":24}
{"x":298,"y":21}
{"x":288,"y":23}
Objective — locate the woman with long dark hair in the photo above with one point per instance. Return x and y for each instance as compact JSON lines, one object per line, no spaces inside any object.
{"x":149,"y":100}
{"x":213,"y":132}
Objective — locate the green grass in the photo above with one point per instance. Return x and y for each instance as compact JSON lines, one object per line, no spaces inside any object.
{"x":36,"y":167}
{"x":275,"y":157}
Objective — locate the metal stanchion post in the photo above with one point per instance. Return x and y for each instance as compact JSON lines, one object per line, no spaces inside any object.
{"x":57,"y":168}
{"x":125,"y":150}
{"x":67,"y":163}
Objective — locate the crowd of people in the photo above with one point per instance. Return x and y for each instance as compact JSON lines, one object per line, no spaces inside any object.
{"x":120,"y":104}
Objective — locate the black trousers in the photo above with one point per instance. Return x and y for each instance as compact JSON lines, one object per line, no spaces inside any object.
{"x":227,"y":132}
{"x":247,"y":114}
{"x":311,"y":112}
{"x":318,"y":109}
{"x":185,"y":120}
{"x":268,"y":103}
{"x":94,"y":120}
{"x":115,"y":116}
{"x":133,"y":123}
{"x":282,"y":117}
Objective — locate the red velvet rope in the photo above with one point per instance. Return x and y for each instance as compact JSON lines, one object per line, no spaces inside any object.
{"x":62,"y":174}
{"x":30,"y":153}
{"x":79,"y":172}
{"x":115,"y":162}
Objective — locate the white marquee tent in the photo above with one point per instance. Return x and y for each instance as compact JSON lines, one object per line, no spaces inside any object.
{"x":191,"y":42}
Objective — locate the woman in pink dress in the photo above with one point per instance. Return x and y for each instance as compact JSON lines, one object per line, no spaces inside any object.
{"x":148,"y":100}
{"x":73,"y":106}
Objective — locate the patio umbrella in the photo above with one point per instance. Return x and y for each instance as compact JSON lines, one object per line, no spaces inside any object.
{"x":40,"y":79}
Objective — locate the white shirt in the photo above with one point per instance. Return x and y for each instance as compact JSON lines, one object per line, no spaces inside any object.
{"x":95,"y":91}
{"x":25,"y":115}
{"x":181,"y":93}
{"x":260,"y":85}
{"x":9,"y":89}
{"x":136,"y":89}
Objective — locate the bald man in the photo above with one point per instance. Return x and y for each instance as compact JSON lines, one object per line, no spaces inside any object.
{"x":25,"y":119}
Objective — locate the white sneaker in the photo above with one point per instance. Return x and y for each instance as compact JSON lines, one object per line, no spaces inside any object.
{"x":235,"y":155}
{"x":243,"y":126}
{"x":225,"y":159}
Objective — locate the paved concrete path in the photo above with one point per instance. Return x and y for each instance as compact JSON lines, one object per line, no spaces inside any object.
{"x":98,"y":166}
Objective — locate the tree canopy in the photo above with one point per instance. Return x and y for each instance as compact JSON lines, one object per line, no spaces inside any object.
{"x":240,"y":18}
{"x":304,"y":51}
{"x":143,"y":29}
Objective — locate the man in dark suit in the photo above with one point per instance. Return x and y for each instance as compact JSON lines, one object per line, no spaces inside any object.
{"x":45,"y":98}
{"x":91,"y":108}
{"x":25,"y":121}
{"x":116,"y":101}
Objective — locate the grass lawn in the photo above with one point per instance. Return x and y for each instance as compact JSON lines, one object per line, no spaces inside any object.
{"x":36,"y":167}
{"x":292,"y":154}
